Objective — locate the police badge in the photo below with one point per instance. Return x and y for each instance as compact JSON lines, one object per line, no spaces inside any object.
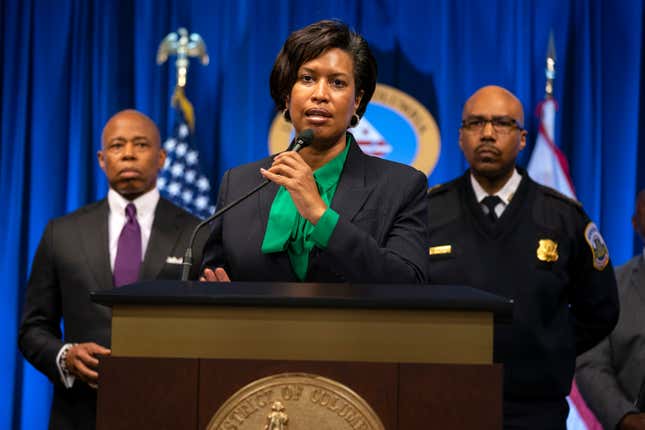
{"x":547,"y":250}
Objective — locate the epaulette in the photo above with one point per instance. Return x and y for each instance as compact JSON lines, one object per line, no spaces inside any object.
{"x":558,"y":195}
{"x":443,"y":204}
{"x":436,"y":189}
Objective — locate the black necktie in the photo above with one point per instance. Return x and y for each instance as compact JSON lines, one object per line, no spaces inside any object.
{"x":491,"y":202}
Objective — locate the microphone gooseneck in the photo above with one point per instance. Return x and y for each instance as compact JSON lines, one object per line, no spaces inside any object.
{"x":302,"y":140}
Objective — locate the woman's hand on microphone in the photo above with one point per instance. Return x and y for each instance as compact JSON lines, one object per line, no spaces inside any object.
{"x":293,"y":173}
{"x":217,"y":275}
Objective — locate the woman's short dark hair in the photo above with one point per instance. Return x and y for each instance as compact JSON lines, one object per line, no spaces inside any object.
{"x":312,"y":41}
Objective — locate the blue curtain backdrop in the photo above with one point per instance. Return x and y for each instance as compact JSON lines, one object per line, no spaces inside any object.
{"x":67,"y":65}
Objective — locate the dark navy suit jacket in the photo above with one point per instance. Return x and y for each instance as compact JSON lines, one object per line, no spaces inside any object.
{"x":380,"y":237}
{"x":71,"y":261}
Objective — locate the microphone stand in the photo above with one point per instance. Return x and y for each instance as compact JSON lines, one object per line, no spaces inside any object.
{"x":188,"y":255}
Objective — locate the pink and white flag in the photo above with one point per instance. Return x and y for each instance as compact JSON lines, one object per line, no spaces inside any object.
{"x":548,"y":165}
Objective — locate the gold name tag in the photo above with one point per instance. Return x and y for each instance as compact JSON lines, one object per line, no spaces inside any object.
{"x":441,"y":249}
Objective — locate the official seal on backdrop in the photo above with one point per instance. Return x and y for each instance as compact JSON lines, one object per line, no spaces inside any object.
{"x":395,"y":127}
{"x":295,"y":401}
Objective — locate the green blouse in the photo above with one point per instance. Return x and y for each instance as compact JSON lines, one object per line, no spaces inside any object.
{"x":288,"y":230}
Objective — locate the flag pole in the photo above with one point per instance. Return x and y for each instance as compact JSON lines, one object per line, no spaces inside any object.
{"x":182,"y":180}
{"x":549,"y":71}
{"x":184,"y":46}
{"x":548,"y":165}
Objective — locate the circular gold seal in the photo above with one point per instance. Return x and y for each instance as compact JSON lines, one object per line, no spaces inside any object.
{"x":295,"y":401}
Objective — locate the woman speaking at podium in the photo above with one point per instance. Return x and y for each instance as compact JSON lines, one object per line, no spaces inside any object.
{"x":330,"y":213}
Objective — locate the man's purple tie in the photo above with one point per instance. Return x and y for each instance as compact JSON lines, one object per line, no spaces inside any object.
{"x":128,"y":253}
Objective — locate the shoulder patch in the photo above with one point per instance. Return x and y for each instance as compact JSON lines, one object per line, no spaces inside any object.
{"x":597,"y":245}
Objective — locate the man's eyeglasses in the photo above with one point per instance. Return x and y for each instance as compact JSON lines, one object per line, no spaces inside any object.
{"x":501,"y":124}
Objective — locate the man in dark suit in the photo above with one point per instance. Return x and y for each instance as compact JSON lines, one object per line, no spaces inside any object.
{"x":496,"y":229}
{"x":132,"y":234}
{"x":611,"y":375}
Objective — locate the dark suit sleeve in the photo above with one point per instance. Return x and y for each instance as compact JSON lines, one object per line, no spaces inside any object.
{"x":594,"y":297}
{"x":398,"y":256}
{"x":598,"y":383}
{"x":597,"y":370}
{"x":213,"y":251}
{"x":39,"y":336}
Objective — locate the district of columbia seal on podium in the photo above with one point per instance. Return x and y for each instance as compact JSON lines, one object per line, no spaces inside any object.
{"x":295,"y":401}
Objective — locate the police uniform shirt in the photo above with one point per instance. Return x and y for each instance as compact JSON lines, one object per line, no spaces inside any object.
{"x":546,"y":255}
{"x":505,"y":194}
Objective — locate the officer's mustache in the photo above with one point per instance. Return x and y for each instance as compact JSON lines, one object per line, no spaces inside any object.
{"x":488,"y":147}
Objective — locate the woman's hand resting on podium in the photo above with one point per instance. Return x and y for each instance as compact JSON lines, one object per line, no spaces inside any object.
{"x":217,"y":275}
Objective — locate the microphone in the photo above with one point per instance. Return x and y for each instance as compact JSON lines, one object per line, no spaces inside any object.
{"x":302,"y":140}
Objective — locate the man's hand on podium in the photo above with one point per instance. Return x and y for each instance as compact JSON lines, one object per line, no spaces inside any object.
{"x":82,"y":361}
{"x":632,"y":422}
{"x":217,"y":275}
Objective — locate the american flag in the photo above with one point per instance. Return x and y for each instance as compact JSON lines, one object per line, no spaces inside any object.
{"x":182,"y":180}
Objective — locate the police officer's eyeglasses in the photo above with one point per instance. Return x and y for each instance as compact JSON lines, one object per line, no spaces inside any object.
{"x":501,"y":124}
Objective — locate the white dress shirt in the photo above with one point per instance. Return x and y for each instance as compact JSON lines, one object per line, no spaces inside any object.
{"x":506,"y":193}
{"x":145,"y":204}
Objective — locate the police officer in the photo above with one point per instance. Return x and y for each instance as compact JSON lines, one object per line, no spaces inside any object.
{"x":495,"y":229}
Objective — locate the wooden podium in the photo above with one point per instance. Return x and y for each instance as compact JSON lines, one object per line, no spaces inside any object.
{"x":421,"y":356}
